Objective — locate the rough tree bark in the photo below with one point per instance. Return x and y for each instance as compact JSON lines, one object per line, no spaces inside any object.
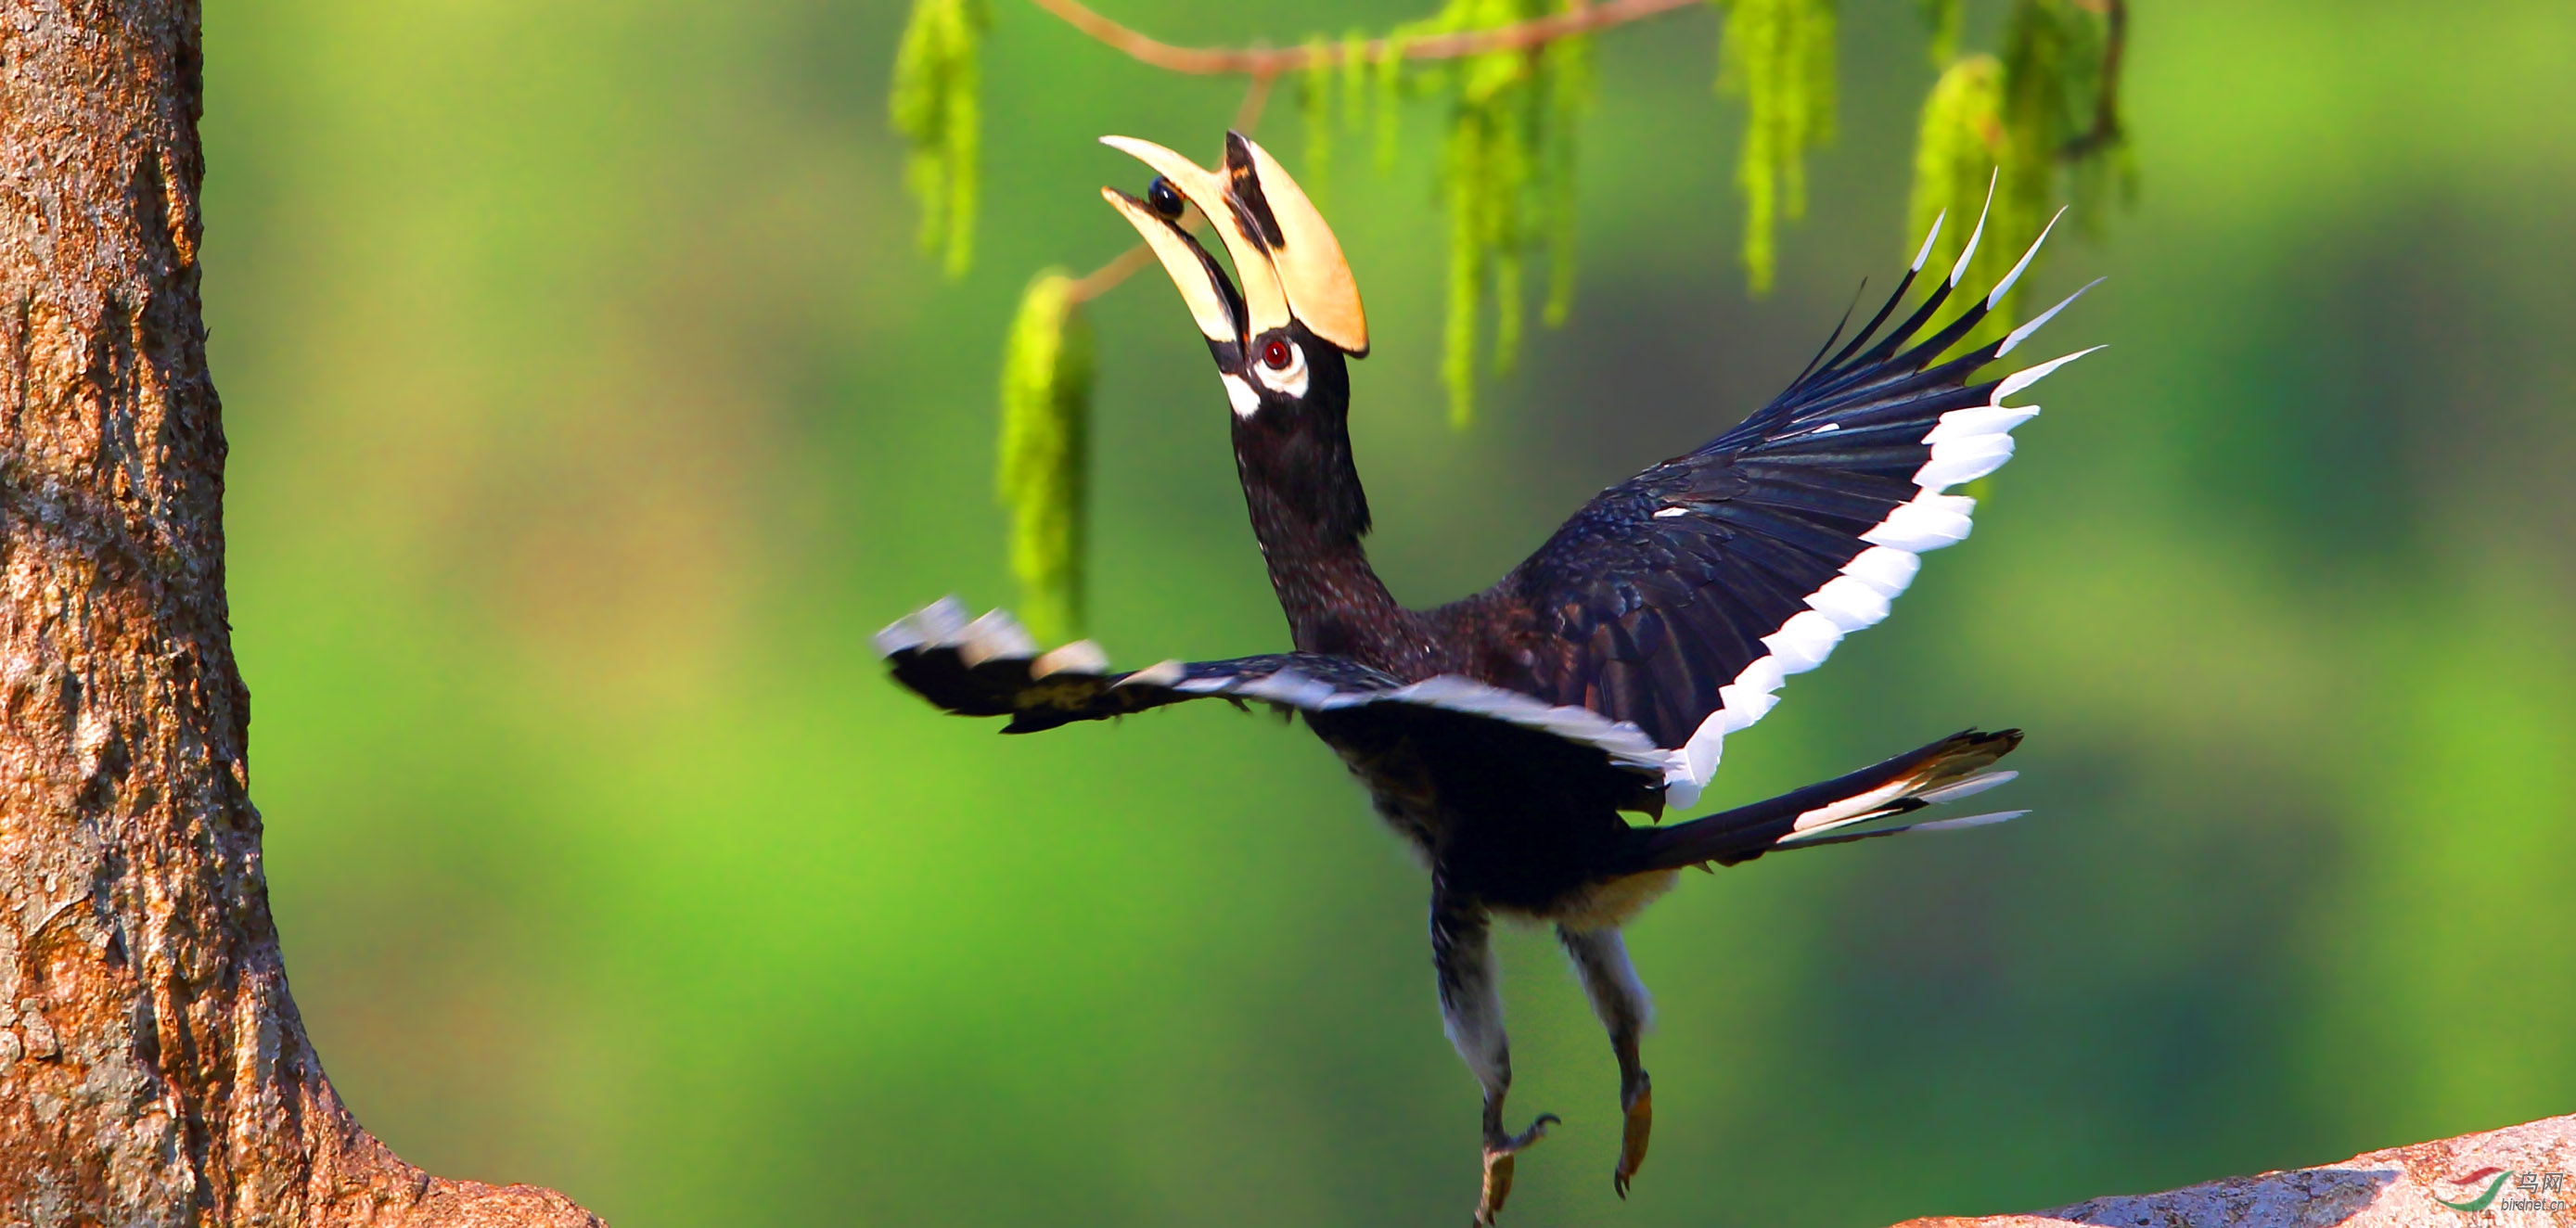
{"x":153,"y":1069}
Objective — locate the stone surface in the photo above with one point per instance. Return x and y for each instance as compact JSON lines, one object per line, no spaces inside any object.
{"x":2401,"y":1187}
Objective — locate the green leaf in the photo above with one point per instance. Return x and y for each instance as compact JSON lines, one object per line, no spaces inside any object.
{"x":1045,"y":453}
{"x":935,"y":107}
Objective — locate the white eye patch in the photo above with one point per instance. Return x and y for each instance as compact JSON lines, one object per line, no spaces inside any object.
{"x":1290,"y":379}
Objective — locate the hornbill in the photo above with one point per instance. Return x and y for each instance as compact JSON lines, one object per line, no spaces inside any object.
{"x":1504,"y":734}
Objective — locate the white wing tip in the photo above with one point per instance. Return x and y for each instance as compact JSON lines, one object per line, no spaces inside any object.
{"x":1080,"y":657}
{"x":2005,"y":286}
{"x":1969,"y":252}
{"x":996,"y":634}
{"x":1160,"y":673}
{"x":2021,"y":334}
{"x":1974,"y":820}
{"x":2028,"y":376}
{"x":1970,"y":787}
{"x":1928,"y":238}
{"x":940,"y":622}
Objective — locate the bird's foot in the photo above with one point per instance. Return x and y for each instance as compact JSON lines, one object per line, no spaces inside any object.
{"x":1640,"y":1105}
{"x":1500,"y":1149}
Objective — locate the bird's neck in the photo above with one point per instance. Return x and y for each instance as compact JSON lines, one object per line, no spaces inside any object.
{"x":1309,"y":513}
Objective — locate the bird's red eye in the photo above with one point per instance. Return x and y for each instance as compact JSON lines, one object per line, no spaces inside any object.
{"x":1276,"y":354}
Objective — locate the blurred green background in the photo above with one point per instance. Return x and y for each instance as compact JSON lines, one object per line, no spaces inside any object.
{"x":590,"y":406}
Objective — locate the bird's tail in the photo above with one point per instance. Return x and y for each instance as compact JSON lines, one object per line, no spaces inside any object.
{"x":1946,"y":771}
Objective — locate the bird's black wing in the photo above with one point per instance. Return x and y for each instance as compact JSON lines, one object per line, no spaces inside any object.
{"x":1680,"y":599}
{"x":990,"y":666}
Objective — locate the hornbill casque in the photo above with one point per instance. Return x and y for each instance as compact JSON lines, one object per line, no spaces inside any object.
{"x":1504,"y":734}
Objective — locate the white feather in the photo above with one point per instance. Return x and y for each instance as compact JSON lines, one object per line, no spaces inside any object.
{"x":1850,"y":809}
{"x":2021,"y":334}
{"x":2005,"y":286}
{"x":1742,"y":706}
{"x":2019,"y":380}
{"x":1964,"y":460}
{"x":1707,"y":743}
{"x":1931,"y":521}
{"x":1165,"y":673}
{"x":1969,"y":252}
{"x":1974,"y":820}
{"x":996,"y":634}
{"x":1803,"y":642}
{"x":1979,"y":420}
{"x":1884,"y":568}
{"x":1970,"y":787}
{"x":1078,"y":657}
{"x":1851,"y":603}
{"x":1926,"y":253}
{"x":1762,"y":674}
{"x":945,"y":620}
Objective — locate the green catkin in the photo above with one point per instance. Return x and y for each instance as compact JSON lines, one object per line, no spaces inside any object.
{"x":1568,"y":66}
{"x":936,"y":107}
{"x":1778,"y":55}
{"x":1315,"y":115}
{"x":1945,"y":18}
{"x":1387,"y":75}
{"x":1507,"y":180}
{"x":1354,"y":67}
{"x":1045,"y":453}
{"x":2008,"y":121}
{"x":1463,"y":171}
{"x":1957,"y":148}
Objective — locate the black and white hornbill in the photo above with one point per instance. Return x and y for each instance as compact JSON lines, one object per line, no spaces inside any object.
{"x":1505,"y":733}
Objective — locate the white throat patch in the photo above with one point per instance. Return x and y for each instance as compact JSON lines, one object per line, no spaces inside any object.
{"x":1239,"y":390}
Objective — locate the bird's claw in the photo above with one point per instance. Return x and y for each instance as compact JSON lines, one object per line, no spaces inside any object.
{"x":1632,"y":1140}
{"x":1499,"y":1152}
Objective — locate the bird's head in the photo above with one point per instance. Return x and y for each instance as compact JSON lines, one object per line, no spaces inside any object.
{"x":1281,"y":340}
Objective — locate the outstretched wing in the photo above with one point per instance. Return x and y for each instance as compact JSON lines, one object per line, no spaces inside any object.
{"x":1680,"y":599}
{"x":990,"y":666}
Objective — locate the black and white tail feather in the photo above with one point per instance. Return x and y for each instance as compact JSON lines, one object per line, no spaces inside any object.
{"x":1685,"y":597}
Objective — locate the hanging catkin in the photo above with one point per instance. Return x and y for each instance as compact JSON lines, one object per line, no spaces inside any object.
{"x":936,"y":109}
{"x":1778,"y":56}
{"x":1046,"y":430}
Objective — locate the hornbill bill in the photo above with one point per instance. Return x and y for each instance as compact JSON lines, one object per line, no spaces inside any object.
{"x":1505,"y":733}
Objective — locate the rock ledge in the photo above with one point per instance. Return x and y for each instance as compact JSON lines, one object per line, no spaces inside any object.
{"x":2401,"y":1187}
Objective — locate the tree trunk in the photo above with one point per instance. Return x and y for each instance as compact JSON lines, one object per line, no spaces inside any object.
{"x":153,"y":1069}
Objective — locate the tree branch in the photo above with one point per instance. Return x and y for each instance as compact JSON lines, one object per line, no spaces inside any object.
{"x":1104,"y":279}
{"x":1270,"y":62}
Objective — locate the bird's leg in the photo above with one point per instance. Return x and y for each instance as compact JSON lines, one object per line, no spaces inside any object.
{"x":1601,"y":959}
{"x":1471,"y":1009}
